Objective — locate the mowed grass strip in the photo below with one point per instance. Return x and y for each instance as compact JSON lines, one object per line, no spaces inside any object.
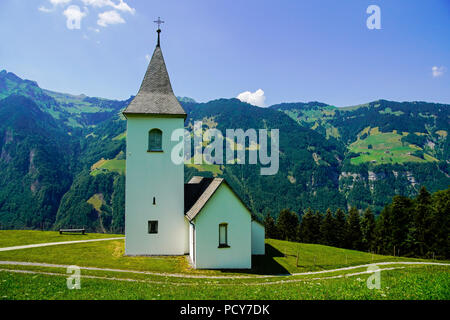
{"x":427,"y":282}
{"x":10,"y":238}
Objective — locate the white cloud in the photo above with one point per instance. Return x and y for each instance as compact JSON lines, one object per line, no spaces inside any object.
{"x":121,"y":6}
{"x":97,"y":3}
{"x":109,"y":17}
{"x":148,"y":57}
{"x":256,"y":98}
{"x":57,"y":2}
{"x":44,"y":9}
{"x":54,"y":3}
{"x":437,"y":71}
{"x":94,"y":29}
{"x":74,"y":16}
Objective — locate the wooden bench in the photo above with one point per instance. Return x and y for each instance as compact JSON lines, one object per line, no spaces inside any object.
{"x":72,"y":231}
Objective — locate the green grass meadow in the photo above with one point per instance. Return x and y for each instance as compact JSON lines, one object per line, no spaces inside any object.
{"x":273,"y":276}
{"x":385,"y":147}
{"x":112,"y":165}
{"x":413,"y":283}
{"x":12,"y":238}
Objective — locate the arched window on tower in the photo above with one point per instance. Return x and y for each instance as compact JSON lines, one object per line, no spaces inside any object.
{"x":155,"y":140}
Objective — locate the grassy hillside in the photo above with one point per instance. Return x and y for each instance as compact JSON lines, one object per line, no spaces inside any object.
{"x":12,"y":238}
{"x":386,"y":147}
{"x":281,"y":257}
{"x":112,"y":165}
{"x":172,"y":277}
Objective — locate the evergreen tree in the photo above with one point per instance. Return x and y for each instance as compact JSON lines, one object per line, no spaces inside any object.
{"x":328,"y":229}
{"x":440,"y":226}
{"x":307,"y":227}
{"x":353,"y":234}
{"x":270,"y":227}
{"x":401,"y":219}
{"x":318,"y":218}
{"x":287,"y":224}
{"x":383,"y":231}
{"x":341,"y":222}
{"x":368,"y":230}
{"x":118,"y":206}
{"x":420,"y":236}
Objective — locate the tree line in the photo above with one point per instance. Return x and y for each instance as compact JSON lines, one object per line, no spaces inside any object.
{"x":410,"y":227}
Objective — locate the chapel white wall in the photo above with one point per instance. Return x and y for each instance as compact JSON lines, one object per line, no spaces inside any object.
{"x":258,"y":236}
{"x":191,"y":244}
{"x":148,"y":175}
{"x":223,"y":207}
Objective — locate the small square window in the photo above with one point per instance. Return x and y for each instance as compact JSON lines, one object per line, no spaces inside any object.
{"x":153,"y":227}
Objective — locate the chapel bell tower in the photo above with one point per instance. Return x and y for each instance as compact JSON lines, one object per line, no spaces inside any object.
{"x":154,"y":195}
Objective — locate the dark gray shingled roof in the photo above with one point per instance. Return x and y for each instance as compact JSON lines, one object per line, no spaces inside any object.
{"x":198,"y":191}
{"x":156,"y":97}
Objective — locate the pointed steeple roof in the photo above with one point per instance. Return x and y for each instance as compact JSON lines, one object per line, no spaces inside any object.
{"x":156,"y":97}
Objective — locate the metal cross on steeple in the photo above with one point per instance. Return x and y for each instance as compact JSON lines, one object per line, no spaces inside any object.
{"x":159,"y":22}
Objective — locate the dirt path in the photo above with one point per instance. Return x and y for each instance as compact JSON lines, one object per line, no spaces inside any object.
{"x":193,"y":283}
{"x":28,"y":246}
{"x":374,"y":264}
{"x":179,"y":275}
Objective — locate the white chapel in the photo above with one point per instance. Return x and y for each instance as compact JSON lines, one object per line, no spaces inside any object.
{"x":203,"y":218}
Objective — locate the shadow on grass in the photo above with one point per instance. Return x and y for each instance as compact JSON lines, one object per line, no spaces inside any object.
{"x":263,"y":264}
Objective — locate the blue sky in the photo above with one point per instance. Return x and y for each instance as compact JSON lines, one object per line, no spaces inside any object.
{"x":292,"y":50}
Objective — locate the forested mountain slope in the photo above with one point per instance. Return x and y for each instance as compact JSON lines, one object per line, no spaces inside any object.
{"x":36,"y":164}
{"x":63,"y":156}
